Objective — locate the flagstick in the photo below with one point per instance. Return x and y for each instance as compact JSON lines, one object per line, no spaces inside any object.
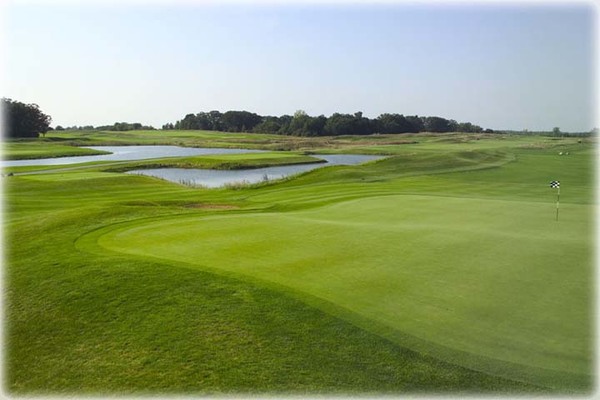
{"x":557,"y":202}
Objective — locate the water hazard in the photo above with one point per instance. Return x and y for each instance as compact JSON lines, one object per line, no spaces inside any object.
{"x":212,"y":178}
{"x":128,"y":153}
{"x":195,"y":177}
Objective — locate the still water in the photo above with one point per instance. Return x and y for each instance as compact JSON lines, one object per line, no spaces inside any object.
{"x":195,"y":177}
{"x":127,"y":153}
{"x":212,"y":178}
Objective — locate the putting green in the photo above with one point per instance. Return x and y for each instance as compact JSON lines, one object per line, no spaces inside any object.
{"x":497,"y":286}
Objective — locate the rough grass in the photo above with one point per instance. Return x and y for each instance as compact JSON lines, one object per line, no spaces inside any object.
{"x":373,"y":312}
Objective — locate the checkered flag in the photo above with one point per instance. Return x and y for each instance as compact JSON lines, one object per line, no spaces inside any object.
{"x":555,"y":184}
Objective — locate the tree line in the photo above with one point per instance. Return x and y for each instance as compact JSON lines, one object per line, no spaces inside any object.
{"x":117,"y":126}
{"x":302,"y":124}
{"x":27,"y":120}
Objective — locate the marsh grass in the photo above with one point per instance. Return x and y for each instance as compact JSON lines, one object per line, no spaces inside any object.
{"x":220,"y":162}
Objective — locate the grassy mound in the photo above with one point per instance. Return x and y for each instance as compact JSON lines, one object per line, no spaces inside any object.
{"x":444,"y":270}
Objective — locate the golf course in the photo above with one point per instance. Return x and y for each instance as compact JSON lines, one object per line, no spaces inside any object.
{"x":445,"y":266}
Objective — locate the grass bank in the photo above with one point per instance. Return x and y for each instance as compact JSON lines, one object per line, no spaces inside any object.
{"x":221,"y":161}
{"x":28,"y":150}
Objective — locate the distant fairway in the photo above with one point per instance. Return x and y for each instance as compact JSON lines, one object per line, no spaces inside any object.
{"x":440,"y":269}
{"x":496,"y":279}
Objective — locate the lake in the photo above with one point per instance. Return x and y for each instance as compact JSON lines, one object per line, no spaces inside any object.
{"x":212,"y":178}
{"x":127,"y":153}
{"x":195,"y":177}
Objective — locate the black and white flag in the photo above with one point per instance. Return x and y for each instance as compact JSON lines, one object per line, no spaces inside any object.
{"x":555,"y":184}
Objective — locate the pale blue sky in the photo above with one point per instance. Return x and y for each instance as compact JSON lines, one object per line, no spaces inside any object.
{"x":520,"y":66}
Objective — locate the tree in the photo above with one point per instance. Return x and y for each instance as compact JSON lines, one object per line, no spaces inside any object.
{"x":339,"y":124}
{"x":437,"y":124}
{"x":215,"y":119}
{"x":284,"y":122}
{"x":302,"y":124}
{"x":188,"y":122}
{"x":240,"y":121}
{"x":394,"y":123}
{"x":24,"y":120}
{"x":362,"y":125}
{"x":348,"y":124}
{"x":269,"y":125}
{"x":416,"y":123}
{"x":468,"y":127}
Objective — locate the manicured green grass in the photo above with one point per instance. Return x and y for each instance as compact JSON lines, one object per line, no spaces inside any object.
{"x":33,"y":150}
{"x":443,"y":270}
{"x":439,"y":270}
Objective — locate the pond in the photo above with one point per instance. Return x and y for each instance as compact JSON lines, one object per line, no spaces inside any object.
{"x":128,"y":153}
{"x":212,"y":178}
{"x":195,"y":177}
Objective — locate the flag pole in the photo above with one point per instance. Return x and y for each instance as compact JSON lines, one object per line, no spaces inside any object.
{"x":556,"y":185}
{"x":557,"y":202}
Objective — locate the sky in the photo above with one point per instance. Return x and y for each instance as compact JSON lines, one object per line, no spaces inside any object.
{"x":501,"y":66}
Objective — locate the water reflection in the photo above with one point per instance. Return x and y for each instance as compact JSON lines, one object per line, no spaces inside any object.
{"x":195,"y":177}
{"x":212,"y":178}
{"x":127,"y":153}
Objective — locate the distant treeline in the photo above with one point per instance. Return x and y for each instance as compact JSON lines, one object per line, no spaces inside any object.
{"x":302,"y":124}
{"x":556,"y":132}
{"x":117,"y":126}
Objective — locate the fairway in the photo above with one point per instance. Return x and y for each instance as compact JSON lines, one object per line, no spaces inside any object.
{"x":492,"y":283}
{"x":300,"y":200}
{"x":438,"y":269}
